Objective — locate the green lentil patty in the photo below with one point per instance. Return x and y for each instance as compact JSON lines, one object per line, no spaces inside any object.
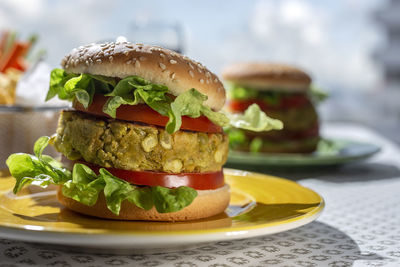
{"x":129,"y":146}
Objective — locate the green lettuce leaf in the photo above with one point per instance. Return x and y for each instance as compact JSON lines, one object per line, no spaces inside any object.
{"x":171,"y":200}
{"x":317,"y":95}
{"x":237,"y":137}
{"x":69,"y":86}
{"x":190,"y":103}
{"x":81,"y":88}
{"x":254,"y":119}
{"x":240,"y":93}
{"x":84,"y":185}
{"x":117,"y":190}
{"x":58,"y":78}
{"x":237,"y":92}
{"x":134,"y":90}
{"x":40,"y":169}
{"x":256,"y":145}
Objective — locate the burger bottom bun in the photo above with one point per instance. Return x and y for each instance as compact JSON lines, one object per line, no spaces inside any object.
{"x":206,"y":204}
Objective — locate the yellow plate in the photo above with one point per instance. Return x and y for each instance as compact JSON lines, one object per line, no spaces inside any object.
{"x":260,"y":205}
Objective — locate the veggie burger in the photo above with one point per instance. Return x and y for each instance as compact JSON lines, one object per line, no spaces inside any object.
{"x":144,"y":138}
{"x":285,"y":93}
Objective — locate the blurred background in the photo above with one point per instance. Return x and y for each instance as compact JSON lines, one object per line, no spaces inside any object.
{"x":350,"y":47}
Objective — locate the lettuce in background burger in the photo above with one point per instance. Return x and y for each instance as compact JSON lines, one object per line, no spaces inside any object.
{"x":144,"y":139}
{"x":283,"y":92}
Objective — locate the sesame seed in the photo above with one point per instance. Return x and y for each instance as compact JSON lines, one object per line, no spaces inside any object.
{"x":87,"y":62}
{"x":201,"y":81}
{"x":142,"y":58}
{"x":162,"y":66}
{"x":208,"y":74}
{"x":207,"y":81}
{"x":191,"y":73}
{"x":128,"y":62}
{"x":191,"y":66}
{"x":216,"y":80}
{"x":172,"y":75}
{"x":126,"y":53}
{"x":111,"y":58}
{"x":129,"y":46}
{"x":104,"y":48}
{"x":199,"y":70}
{"x":162,"y":55}
{"x":173,"y":61}
{"x":137,"y":64}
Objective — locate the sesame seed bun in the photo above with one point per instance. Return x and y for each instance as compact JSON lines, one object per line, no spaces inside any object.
{"x":206,"y":204}
{"x":156,"y":64}
{"x":267,"y":76}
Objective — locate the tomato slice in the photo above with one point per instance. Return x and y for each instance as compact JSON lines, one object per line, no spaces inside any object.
{"x":143,"y":113}
{"x":242,"y":105}
{"x":286,"y":102}
{"x":198,"y":181}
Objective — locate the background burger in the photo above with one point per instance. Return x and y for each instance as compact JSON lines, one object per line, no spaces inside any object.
{"x":281,"y":91}
{"x":144,"y":138}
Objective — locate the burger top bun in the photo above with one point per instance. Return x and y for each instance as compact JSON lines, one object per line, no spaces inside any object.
{"x":153,"y":63}
{"x":267,"y":76}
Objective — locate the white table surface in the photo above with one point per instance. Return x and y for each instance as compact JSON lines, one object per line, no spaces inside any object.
{"x":359,"y":227}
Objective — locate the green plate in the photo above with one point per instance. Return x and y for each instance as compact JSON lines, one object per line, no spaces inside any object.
{"x":329,"y":152}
